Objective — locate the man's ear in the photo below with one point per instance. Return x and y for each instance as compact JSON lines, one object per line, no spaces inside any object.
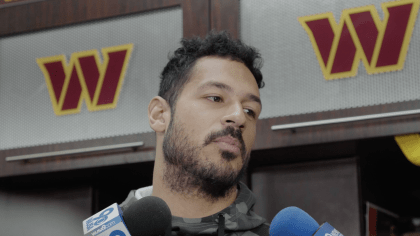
{"x":159,"y":114}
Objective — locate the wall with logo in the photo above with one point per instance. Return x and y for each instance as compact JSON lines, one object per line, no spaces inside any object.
{"x":327,"y":55}
{"x":34,"y":112}
{"x":86,"y":81}
{"x":326,"y":59}
{"x":29,"y":115}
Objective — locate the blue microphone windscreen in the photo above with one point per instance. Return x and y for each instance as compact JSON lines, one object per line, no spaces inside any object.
{"x":293,"y":221}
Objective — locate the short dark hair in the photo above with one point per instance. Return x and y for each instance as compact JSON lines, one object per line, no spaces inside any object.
{"x":177,"y":72}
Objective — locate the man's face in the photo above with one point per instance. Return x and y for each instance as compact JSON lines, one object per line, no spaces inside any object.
{"x":208,"y":142}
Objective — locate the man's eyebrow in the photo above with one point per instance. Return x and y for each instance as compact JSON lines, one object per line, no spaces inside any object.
{"x":226,"y":87}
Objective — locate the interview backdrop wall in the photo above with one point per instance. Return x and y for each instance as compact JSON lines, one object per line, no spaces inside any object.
{"x":295,"y":83}
{"x":28,"y":117}
{"x":327,"y":190}
{"x":58,"y":203}
{"x":301,"y":85}
{"x":54,"y":210}
{"x":291,"y":70}
{"x":329,"y":98}
{"x":295,"y":79}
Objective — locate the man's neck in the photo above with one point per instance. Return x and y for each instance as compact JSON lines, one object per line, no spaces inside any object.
{"x":190,"y":204}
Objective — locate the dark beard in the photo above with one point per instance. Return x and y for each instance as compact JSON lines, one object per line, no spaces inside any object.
{"x":185,"y":172}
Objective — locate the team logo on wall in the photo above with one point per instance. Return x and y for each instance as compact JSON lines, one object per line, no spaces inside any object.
{"x":85,"y":77}
{"x":361,"y":35}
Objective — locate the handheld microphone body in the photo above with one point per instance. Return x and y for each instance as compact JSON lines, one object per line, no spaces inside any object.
{"x":149,"y":216}
{"x":327,"y":230}
{"x":293,"y":221}
{"x":108,"y":222}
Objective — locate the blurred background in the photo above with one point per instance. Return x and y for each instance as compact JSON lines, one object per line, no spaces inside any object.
{"x":338,"y":135}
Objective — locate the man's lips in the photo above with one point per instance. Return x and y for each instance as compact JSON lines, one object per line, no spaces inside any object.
{"x":229,"y":140}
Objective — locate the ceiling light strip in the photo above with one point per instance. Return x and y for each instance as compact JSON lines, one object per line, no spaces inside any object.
{"x":344,"y":120}
{"x":74,"y":151}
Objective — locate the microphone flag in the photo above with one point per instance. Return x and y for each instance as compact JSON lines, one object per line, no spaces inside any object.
{"x":327,"y":230}
{"x":108,"y":222}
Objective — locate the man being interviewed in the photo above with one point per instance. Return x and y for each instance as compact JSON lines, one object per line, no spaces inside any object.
{"x":205,"y":122}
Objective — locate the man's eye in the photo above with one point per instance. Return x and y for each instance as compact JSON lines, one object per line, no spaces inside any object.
{"x":215,"y":98}
{"x":250,"y":112}
{"x":219,"y":99}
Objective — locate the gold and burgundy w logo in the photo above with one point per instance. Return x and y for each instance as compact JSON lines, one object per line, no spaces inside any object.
{"x":85,"y":77}
{"x":361,"y":35}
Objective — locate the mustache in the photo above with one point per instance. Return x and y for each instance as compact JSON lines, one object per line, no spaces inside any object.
{"x":235,"y":133}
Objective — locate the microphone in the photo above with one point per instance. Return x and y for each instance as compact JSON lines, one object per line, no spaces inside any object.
{"x":149,"y":216}
{"x":293,"y":221}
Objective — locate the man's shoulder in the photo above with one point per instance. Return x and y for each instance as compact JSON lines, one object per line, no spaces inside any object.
{"x":129,"y":200}
{"x":262,"y":230}
{"x":136,"y":194}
